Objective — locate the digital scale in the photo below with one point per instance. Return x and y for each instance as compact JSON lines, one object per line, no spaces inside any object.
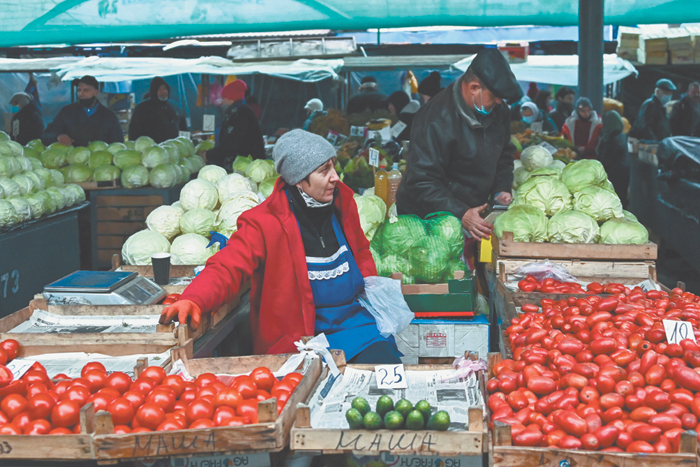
{"x":103,"y":288}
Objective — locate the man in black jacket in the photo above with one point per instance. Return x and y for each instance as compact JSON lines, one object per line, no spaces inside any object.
{"x":652,"y":123}
{"x":240,"y":133}
{"x":84,"y":121}
{"x":156,"y":117}
{"x":685,"y":114}
{"x":27,"y":123}
{"x":367,"y":97}
{"x":460,"y":155}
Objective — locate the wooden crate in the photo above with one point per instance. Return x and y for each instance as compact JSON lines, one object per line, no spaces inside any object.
{"x":505,"y":247}
{"x":270,"y":435}
{"x":395,"y":442}
{"x":456,"y":298}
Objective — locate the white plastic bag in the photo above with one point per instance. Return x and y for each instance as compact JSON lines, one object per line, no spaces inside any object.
{"x":384,"y":300}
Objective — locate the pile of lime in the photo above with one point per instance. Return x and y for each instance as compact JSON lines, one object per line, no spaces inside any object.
{"x":395,"y":417}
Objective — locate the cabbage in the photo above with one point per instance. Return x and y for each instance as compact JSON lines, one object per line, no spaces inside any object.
{"x":179,"y":174}
{"x":78,"y":190}
{"x":181,"y":147}
{"x":607,"y":185}
{"x":22,"y":209}
{"x":100,"y":158}
{"x":78,"y":173}
{"x":372,"y":211}
{"x":573,"y":227}
{"x":520,"y":175}
{"x":623,"y":231}
{"x":397,"y":237}
{"x":11,"y":148}
{"x":164,"y":176}
{"x":212,"y":173}
{"x":197,"y":162}
{"x":535,"y":157}
{"x":4,"y":136}
{"x":39,"y":182}
{"x":36,"y":205}
{"x":198,"y":193}
{"x":26,"y":185}
{"x":394,"y":263}
{"x":106,"y":173}
{"x":545,"y":172}
{"x":130,"y":145}
{"x":139,"y":248}
{"x":78,"y":155}
{"x":557,"y":164}
{"x":24,"y":163}
{"x":629,"y":215}
{"x":191,"y":249}
{"x":135,"y":176}
{"x":45,"y":174}
{"x":59,"y":198}
{"x":49,"y":202}
{"x":453,"y":266}
{"x":240,"y":163}
{"x":142,"y":143}
{"x":232,"y":184}
{"x":446,"y":226}
{"x":53,"y":159}
{"x":37,"y":145}
{"x":173,"y":152}
{"x":8,"y":215}
{"x":583,"y":173}
{"x":598,"y":203}
{"x":191,"y":165}
{"x":165,"y":220}
{"x":189,"y":146}
{"x":98,"y":146}
{"x":178,"y":205}
{"x":124,"y":159}
{"x":186,"y":173}
{"x":527,"y":223}
{"x":546,"y":193}
{"x":36,"y":163}
{"x":154,"y":156}
{"x":268,"y":185}
{"x":204,"y":146}
{"x":259,"y":170}
{"x":198,"y":221}
{"x":114,"y":148}
{"x":70,"y":195}
{"x":428,"y":257}
{"x":228,"y":214}
{"x":9,"y":187}
{"x":57,"y":177}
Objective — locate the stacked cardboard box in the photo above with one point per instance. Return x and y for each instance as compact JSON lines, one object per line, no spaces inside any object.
{"x":653,"y":48}
{"x":628,"y":43}
{"x":695,"y":37}
{"x":681,"y":46}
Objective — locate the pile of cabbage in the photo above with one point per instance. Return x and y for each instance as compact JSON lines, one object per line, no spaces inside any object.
{"x":212,"y":202}
{"x":423,"y":251}
{"x":27,"y":189}
{"x":135,"y":163}
{"x":574,"y":203}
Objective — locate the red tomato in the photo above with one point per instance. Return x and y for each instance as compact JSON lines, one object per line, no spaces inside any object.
{"x":227,"y":397}
{"x":245,"y":387}
{"x":6,"y":376}
{"x":122,"y":411}
{"x":40,"y":405}
{"x":248,"y":409}
{"x":93,"y":366}
{"x":144,"y":384}
{"x":205,"y":379}
{"x":37,"y":366}
{"x":170,"y":424}
{"x":135,"y":397}
{"x":283,"y":386}
{"x":3,"y":357}
{"x":262,"y":395}
{"x":36,"y":388}
{"x":11,"y":348}
{"x":296,"y":377}
{"x":223,"y":414}
{"x":207,"y":391}
{"x":176,"y":383}
{"x":13,"y":405}
{"x":263,"y":378}
{"x":80,"y":382}
{"x":61,"y":431}
{"x":35,"y":376}
{"x":150,"y":415}
{"x":155,"y":373}
{"x":96,"y":380}
{"x":121,"y":430}
{"x":189,"y":395}
{"x":141,"y":429}
{"x":282,"y":396}
{"x":101,"y":401}
{"x":202,"y":423}
{"x":38,"y":427}
{"x":164,"y":397}
{"x":61,"y":376}
{"x":65,"y":414}
{"x":9,"y":429}
{"x":199,"y":409}
{"x":22,"y":420}
{"x":119,"y":381}
{"x":77,"y":394}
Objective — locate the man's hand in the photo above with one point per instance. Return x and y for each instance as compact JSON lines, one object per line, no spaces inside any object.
{"x":504,"y":198}
{"x":65,"y":140}
{"x":185,"y":310}
{"x":475,"y":225}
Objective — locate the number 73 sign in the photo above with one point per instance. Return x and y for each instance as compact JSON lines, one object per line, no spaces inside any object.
{"x":676,"y":331}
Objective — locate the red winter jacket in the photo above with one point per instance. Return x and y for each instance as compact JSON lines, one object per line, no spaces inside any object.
{"x":267,"y":248}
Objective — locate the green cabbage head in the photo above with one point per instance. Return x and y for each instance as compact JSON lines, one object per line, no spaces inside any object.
{"x":527,"y":223}
{"x":583,"y":173}
{"x":623,"y":232}
{"x":598,"y":203}
{"x":546,"y":193}
{"x":573,"y":227}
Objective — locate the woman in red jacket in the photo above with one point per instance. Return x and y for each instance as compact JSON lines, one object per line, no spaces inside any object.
{"x":583,"y":129}
{"x":306,"y":256}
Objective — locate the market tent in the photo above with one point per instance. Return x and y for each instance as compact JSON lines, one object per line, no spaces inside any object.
{"x":562,"y":69}
{"x":84,"y":21}
{"x":127,"y":68}
{"x":34,"y":64}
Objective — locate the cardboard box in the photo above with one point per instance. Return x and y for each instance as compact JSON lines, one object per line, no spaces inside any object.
{"x":390,"y":460}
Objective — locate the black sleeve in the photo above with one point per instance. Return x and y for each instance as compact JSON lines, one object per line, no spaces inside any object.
{"x":136,"y":124}
{"x":114,"y":132}
{"x":57,"y":127}
{"x":504,"y":170}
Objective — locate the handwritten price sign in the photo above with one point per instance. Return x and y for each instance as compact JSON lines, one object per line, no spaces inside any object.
{"x":390,"y":376}
{"x":676,"y":331}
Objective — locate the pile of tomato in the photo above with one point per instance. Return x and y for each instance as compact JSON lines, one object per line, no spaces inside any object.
{"x":597,"y":373}
{"x":155,"y":401}
{"x":551,"y":286}
{"x":9,"y":348}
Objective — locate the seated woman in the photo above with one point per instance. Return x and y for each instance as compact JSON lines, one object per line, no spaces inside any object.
{"x":535,"y":119}
{"x":306,"y":256}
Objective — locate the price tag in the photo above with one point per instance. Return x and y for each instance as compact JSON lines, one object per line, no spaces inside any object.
{"x":548,"y":147}
{"x":186,"y":134}
{"x":358,"y":131}
{"x":676,"y":331}
{"x":332,"y":137}
{"x":374,"y":157}
{"x":536,"y":127}
{"x":391,"y":376}
{"x":209,"y":123}
{"x":19,"y":366}
{"x":398,"y":128}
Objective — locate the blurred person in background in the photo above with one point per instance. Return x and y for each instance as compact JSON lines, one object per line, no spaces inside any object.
{"x":536,"y":119}
{"x":652,"y":122}
{"x":564,"y":102}
{"x":406,"y":115}
{"x":685,"y":114}
{"x":27,"y":123}
{"x":429,"y":87}
{"x":397,"y":101}
{"x":314,"y":109}
{"x":583,"y":129}
{"x":612,"y":153}
{"x":156,"y":117}
{"x":367,"y":97}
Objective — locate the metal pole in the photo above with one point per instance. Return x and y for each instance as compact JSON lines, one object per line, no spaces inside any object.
{"x":590,"y":52}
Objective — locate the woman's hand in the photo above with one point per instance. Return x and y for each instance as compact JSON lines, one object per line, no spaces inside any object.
{"x":185,"y":310}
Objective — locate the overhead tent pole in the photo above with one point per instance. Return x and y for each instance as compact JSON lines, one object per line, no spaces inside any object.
{"x":590,"y":52}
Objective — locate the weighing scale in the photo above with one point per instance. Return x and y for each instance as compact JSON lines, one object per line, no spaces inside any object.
{"x":103,"y":288}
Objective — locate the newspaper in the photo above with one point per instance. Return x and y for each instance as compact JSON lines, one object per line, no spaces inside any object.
{"x":334,"y":396}
{"x":44,"y":322}
{"x":72,"y":363}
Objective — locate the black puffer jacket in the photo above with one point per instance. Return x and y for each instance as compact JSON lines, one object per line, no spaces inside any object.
{"x":73,"y":120}
{"x":240,"y":135}
{"x":155,"y":118}
{"x":27,"y":124}
{"x":455,"y":161}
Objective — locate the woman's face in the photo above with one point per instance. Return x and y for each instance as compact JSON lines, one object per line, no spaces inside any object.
{"x":321,"y":182}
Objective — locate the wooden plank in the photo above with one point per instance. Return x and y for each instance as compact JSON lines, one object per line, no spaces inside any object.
{"x":115,"y":228}
{"x":128,"y":200}
{"x":603,"y":271}
{"x":105,"y":255}
{"x":512,"y":456}
{"x":124,"y":214}
{"x":114,"y":242}
{"x":46,"y":448}
{"x":28,"y":349}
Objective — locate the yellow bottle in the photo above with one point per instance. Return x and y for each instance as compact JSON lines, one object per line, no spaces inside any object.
{"x":381,"y":184}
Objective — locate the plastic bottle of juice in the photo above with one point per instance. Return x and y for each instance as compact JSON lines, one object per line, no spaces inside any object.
{"x":394,"y":182}
{"x":381,"y":183}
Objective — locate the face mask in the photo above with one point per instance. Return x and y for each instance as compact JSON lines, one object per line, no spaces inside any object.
{"x":163,"y":98}
{"x":88,"y":103}
{"x":665,"y":98}
{"x":15,"y":109}
{"x":482,"y":110}
{"x":529,"y":119}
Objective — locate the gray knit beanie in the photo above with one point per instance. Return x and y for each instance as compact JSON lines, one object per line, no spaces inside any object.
{"x":298,"y":153}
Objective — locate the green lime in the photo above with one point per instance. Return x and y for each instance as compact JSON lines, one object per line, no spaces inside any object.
{"x":403,"y":407}
{"x":440,"y":421}
{"x":424,"y":408}
{"x":414,"y":420}
{"x":393,"y":420}
{"x":384,"y":405}
{"x":354,"y":418}
{"x":372,"y":421}
{"x":361,"y":404}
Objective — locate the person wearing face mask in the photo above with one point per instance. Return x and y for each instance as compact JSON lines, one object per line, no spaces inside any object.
{"x":240,"y":133}
{"x":156,"y":116}
{"x":583,"y":129}
{"x":535,"y":118}
{"x":685,"y":114}
{"x":306,"y":257}
{"x":652,"y":123}
{"x":564,"y":99}
{"x":26,"y":123}
{"x":84,"y":121}
{"x":460,"y":156}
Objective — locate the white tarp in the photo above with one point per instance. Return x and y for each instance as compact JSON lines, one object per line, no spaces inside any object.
{"x":561,"y":69}
{"x":128,"y":69}
{"x":34,"y":64}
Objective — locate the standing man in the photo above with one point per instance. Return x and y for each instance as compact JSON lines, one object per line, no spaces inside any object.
{"x":240,"y":133}
{"x":84,"y":121}
{"x":460,"y":155}
{"x":368,"y":97}
{"x":27,"y":123}
{"x":685,"y":114}
{"x":652,"y":122}
{"x":564,"y":99}
{"x":156,"y":117}
{"x":429,"y":87}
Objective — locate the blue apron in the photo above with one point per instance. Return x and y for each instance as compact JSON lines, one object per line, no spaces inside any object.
{"x":336,"y":282}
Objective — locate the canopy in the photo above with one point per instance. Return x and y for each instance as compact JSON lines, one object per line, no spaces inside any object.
{"x":126,"y":69}
{"x":85,"y":21}
{"x":561,"y":69}
{"x":34,"y":64}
